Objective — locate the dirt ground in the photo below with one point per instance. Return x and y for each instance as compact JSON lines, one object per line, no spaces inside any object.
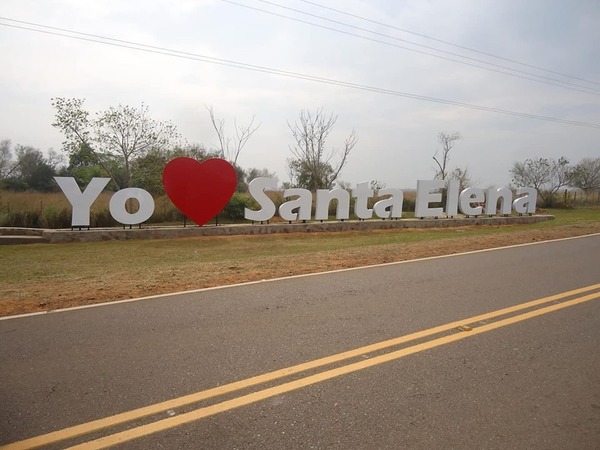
{"x":57,"y":294}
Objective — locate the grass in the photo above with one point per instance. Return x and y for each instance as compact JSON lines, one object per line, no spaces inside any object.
{"x":80,"y":259}
{"x":48,"y":276}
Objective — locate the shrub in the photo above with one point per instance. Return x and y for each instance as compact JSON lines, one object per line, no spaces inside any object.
{"x":234,"y":210}
{"x":27,"y":219}
{"x":165,"y":211}
{"x":102,"y":218}
{"x":54,"y":217}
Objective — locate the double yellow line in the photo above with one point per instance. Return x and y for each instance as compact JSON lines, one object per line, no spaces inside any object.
{"x":454,"y":331}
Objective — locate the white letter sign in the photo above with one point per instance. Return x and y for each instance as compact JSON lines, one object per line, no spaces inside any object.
{"x":525,"y":204}
{"x":257,"y":188}
{"x":81,"y":201}
{"x":425,"y":196}
{"x":120,"y":213}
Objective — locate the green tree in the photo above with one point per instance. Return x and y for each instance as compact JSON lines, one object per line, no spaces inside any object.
{"x":147,"y":173}
{"x":194,"y":150}
{"x":310,"y":176}
{"x":253,"y":173}
{"x":115,"y":137}
{"x":32,"y":171}
{"x":148,"y":169}
{"x":83,"y":166}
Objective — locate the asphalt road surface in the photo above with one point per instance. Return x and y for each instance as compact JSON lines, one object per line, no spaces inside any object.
{"x":497,"y":349}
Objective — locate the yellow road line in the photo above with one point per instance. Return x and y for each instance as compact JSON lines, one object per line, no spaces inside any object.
{"x":201,"y":413}
{"x":128,"y":416}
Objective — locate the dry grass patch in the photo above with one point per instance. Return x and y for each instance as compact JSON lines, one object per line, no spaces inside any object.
{"x":43,"y":277}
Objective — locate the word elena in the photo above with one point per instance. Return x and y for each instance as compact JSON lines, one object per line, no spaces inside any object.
{"x":469,"y":201}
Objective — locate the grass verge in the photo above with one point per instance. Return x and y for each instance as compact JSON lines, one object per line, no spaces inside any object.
{"x":41,"y":277}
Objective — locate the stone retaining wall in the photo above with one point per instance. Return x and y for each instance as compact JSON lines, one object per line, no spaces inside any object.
{"x":148,"y":232}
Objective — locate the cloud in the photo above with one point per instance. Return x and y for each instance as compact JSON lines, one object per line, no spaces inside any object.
{"x":397,"y":135}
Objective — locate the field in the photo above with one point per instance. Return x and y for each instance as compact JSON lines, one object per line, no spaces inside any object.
{"x":53,"y":210}
{"x":42,"y":277}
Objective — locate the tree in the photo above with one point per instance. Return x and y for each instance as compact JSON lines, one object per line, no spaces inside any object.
{"x":32,"y":171}
{"x":447,"y":140}
{"x":462,"y":176}
{"x":230,"y":148}
{"x":194,"y":150}
{"x":305,"y":175}
{"x":83,"y":166}
{"x":6,"y":162}
{"x":312,"y":166}
{"x":148,"y":169}
{"x":546,"y":175}
{"x":118,"y":135}
{"x":377,"y":185}
{"x":586,"y":175}
{"x":255,"y":173}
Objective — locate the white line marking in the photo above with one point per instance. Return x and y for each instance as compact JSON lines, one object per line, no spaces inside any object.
{"x":291,"y":277}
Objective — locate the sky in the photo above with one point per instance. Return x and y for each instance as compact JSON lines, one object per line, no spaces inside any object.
{"x":414,"y":64}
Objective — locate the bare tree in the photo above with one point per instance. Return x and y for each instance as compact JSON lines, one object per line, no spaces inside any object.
{"x":377,"y":185}
{"x":463,"y":177}
{"x":6,"y":162}
{"x":447,"y":140}
{"x":119,"y":134}
{"x":230,"y":148}
{"x":546,"y":175}
{"x":312,"y":166}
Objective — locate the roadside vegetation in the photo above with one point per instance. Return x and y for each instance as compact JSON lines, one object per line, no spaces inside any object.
{"x":40,"y":277}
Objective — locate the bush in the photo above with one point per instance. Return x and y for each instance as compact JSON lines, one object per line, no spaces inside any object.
{"x":234,"y":210}
{"x":101,"y":218}
{"x":26,"y":219}
{"x":408,"y":204}
{"x":165,"y":211}
{"x":54,"y":217}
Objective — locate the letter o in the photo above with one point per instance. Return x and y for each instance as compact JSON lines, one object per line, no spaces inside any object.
{"x":119,"y":212}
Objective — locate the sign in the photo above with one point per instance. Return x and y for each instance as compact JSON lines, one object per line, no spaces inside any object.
{"x":81,"y":202}
{"x":468,"y":202}
{"x":201,"y":189}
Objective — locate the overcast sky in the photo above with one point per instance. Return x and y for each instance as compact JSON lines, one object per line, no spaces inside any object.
{"x":397,"y":134}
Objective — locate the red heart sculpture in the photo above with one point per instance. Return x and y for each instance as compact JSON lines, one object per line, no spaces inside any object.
{"x":199,"y":189}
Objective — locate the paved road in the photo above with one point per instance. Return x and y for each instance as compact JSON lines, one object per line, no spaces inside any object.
{"x":500,"y":381}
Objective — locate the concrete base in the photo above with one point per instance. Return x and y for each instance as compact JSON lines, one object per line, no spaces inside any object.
{"x":148,"y":232}
{"x":16,"y":235}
